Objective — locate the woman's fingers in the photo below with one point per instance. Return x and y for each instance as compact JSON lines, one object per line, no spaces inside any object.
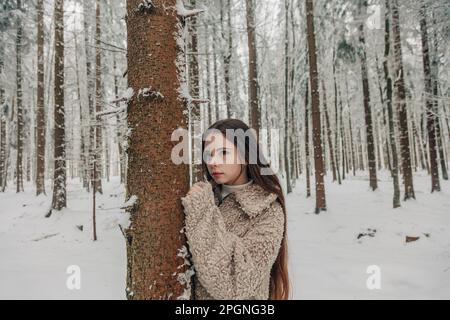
{"x":196,"y":188}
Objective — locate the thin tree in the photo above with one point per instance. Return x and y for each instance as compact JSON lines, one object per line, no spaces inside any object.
{"x":40,"y":109}
{"x":372,"y":162}
{"x":194,"y":86}
{"x":3,"y":116}
{"x":98,"y":137}
{"x":20,"y":138}
{"x":59,"y":200}
{"x":400,"y":102}
{"x":329,"y":132}
{"x":253,"y":95}
{"x":286,"y":100}
{"x":307,"y":148}
{"x":435,"y":76}
{"x":228,"y":52}
{"x":315,"y":107}
{"x":388,"y":80}
{"x":430,"y":110}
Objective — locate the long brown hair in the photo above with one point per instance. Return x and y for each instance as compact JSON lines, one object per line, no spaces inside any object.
{"x":279,"y":279}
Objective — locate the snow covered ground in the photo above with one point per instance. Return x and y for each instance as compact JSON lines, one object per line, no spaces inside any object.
{"x":327,"y":261}
{"x":36,"y":252}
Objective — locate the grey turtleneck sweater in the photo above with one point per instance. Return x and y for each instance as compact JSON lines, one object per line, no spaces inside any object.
{"x":227,"y":189}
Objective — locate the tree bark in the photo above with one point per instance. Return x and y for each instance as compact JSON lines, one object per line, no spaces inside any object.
{"x":154,"y":239}
{"x":307,"y":153}
{"x":315,"y":106}
{"x":287,"y":168}
{"x":227,"y":55}
{"x":19,"y":159}
{"x":40,"y":112}
{"x":3,"y":115}
{"x":388,"y":80}
{"x":400,"y":101}
{"x":329,"y":132}
{"x":59,"y":179}
{"x":372,"y":162}
{"x":98,"y":123}
{"x":253,"y":94}
{"x":430,"y":111}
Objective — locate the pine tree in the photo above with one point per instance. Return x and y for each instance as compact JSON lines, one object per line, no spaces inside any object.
{"x":154,"y":239}
{"x":315,"y":107}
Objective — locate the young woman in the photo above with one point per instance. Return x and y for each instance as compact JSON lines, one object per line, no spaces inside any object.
{"x":236,"y":222}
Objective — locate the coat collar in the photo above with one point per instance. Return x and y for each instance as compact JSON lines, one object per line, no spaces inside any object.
{"x":253,"y":199}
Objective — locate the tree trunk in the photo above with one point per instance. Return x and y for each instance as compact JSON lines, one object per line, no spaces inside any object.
{"x":82,"y":161}
{"x":216,"y":75}
{"x":40,"y":112}
{"x":208,"y":78}
{"x":59,"y":180}
{"x":437,"y":113}
{"x":388,"y":79}
{"x":315,"y":107}
{"x":3,"y":116}
{"x":19,"y":160}
{"x":253,"y":94}
{"x":155,"y":245}
{"x":286,"y":100}
{"x":400,"y":101}
{"x":98,"y":123}
{"x":430,"y":111}
{"x":336,"y":118}
{"x":90,"y":85}
{"x":194,"y":84}
{"x":342,"y":134}
{"x":367,"y":108}
{"x":119,"y":128}
{"x":307,"y":158}
{"x":227,"y":55}
{"x":350,"y":128}
{"x":329,"y":132}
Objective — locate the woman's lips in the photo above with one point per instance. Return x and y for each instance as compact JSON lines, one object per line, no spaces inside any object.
{"x":217,"y":174}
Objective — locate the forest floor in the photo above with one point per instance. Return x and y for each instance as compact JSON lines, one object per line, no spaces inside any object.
{"x":327,"y":260}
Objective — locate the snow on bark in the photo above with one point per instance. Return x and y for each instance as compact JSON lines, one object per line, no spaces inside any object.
{"x":185,"y":277}
{"x":183,"y":12}
{"x":150,"y":93}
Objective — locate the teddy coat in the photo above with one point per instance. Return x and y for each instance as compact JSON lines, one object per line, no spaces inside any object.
{"x":234,"y":242}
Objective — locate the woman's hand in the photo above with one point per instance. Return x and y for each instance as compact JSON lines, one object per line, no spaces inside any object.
{"x":197,"y":187}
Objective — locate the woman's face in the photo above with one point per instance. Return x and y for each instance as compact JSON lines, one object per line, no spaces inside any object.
{"x":223,"y":160}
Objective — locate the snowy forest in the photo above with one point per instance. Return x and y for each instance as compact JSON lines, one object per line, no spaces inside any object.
{"x":350,"y":100}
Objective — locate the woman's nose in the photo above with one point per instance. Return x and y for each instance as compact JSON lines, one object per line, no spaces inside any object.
{"x":214,"y":161}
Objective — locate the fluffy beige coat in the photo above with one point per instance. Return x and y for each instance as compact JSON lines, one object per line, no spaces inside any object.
{"x":233,"y":244}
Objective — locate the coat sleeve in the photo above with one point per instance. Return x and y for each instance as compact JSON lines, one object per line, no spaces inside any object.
{"x":229,"y":266}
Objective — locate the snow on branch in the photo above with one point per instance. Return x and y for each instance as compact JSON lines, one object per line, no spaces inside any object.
{"x":127,"y":96}
{"x":182,"y":11}
{"x":130,"y":203}
{"x":146,"y":6}
{"x":149,"y":93}
{"x":111,"y":111}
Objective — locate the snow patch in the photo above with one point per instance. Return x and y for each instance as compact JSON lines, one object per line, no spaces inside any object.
{"x":150,"y":93}
{"x":183,"y":12}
